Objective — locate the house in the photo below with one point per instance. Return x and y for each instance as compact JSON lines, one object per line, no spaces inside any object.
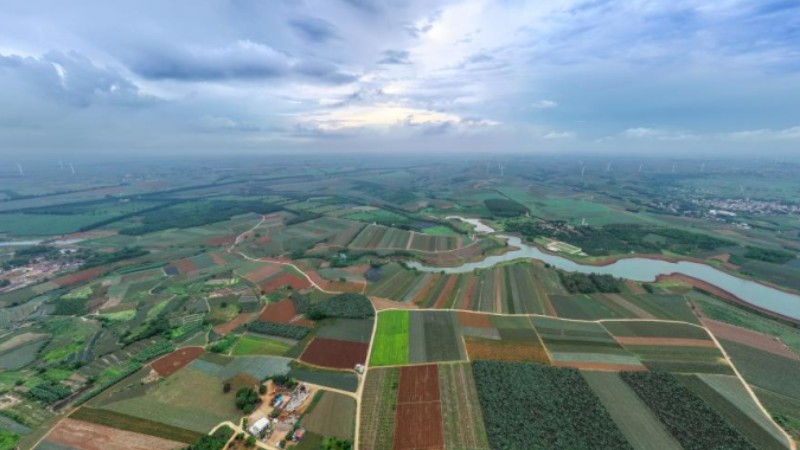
{"x":259,"y":426}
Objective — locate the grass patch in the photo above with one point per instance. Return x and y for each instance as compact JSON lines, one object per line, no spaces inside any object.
{"x":254,"y":345}
{"x":391,"y":339}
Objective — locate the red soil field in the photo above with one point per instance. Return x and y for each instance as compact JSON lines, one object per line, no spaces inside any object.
{"x":237,"y":321}
{"x":504,"y":351}
{"x":750,"y":338}
{"x":418,"y":384}
{"x":334,"y":353}
{"x":281,"y":312}
{"x":474,"y":320}
{"x":446,"y":292}
{"x":221,"y":240}
{"x":677,"y":342}
{"x":78,"y":277}
{"x":600,"y":366}
{"x":263,"y":273}
{"x":384,"y":303}
{"x":419,"y":413}
{"x":185,"y":265}
{"x":423,"y":291}
{"x":418,"y":426}
{"x":466,"y":299}
{"x":90,"y":436}
{"x":218,"y":259}
{"x":167,"y":365}
{"x":286,"y":279}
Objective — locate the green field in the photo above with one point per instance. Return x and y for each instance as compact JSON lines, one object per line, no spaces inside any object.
{"x":390,"y":346}
{"x":256,"y":345}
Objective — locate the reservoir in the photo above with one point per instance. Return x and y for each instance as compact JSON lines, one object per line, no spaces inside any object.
{"x":639,"y":269}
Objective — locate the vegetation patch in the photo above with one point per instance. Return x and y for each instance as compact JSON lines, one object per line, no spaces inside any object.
{"x":535,"y":406}
{"x":687,"y":417}
{"x":135,"y":424}
{"x":390,"y":346}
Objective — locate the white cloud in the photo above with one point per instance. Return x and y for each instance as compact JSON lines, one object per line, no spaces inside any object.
{"x":766,"y":134}
{"x":544,"y":104}
{"x":656,"y":134}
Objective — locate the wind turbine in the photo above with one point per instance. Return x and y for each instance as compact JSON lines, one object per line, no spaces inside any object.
{"x":608,"y":167}
{"x":72,"y":168}
{"x":673,"y":168}
{"x":21,"y":172}
{"x":703,"y":167}
{"x":583,"y":169}
{"x":641,"y":166}
{"x":502,"y":167}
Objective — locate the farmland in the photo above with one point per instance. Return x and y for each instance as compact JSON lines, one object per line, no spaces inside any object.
{"x":552,"y":407}
{"x":135,"y":326}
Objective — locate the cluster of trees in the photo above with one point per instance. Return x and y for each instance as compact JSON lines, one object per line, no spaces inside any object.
{"x":333,"y":443}
{"x":161,"y":347}
{"x":25,"y":256}
{"x":49,"y":392}
{"x":581,"y":283}
{"x":247,"y":399}
{"x":215,"y":441}
{"x":74,"y":306}
{"x":158,"y":326}
{"x":535,"y":406}
{"x":224,"y":344}
{"x":619,"y":238}
{"x":768,"y":255}
{"x":195,"y":214}
{"x":503,"y":207}
{"x":691,"y":420}
{"x":100,"y":259}
{"x":350,"y":306}
{"x":278,"y":329}
{"x":4,"y":283}
{"x":302,"y":216}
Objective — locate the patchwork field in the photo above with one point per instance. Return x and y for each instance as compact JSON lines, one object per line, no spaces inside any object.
{"x":79,"y":435}
{"x":332,"y":415}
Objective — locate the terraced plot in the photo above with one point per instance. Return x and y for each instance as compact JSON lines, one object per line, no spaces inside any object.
{"x":379,"y":402}
{"x":462,"y":418}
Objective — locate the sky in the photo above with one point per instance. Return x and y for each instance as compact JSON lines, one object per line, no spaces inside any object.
{"x":672,"y":77}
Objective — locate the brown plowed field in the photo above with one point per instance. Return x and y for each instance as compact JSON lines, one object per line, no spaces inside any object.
{"x":89,"y":436}
{"x":450,"y":284}
{"x":676,"y":342}
{"x":750,"y":338}
{"x":281,"y":312}
{"x":418,"y":426}
{"x":218,"y":259}
{"x":504,"y":350}
{"x":78,"y":277}
{"x":263,"y":273}
{"x":169,"y":364}
{"x":384,"y":303}
{"x":283,"y":280}
{"x":418,"y":422}
{"x":221,"y":240}
{"x":466,"y":297}
{"x":237,"y":321}
{"x":475,"y":320}
{"x":335,"y":353}
{"x":418,"y":384}
{"x":185,"y":265}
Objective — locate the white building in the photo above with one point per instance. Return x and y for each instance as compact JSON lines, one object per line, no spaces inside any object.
{"x":259,"y":426}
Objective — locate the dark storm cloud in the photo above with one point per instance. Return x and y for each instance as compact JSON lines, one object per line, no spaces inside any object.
{"x":242,"y":60}
{"x":313,"y":29}
{"x":395,"y":57}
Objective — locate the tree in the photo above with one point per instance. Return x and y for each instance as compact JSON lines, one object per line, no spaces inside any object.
{"x":247,"y":399}
{"x":226,"y":388}
{"x":250,"y":442}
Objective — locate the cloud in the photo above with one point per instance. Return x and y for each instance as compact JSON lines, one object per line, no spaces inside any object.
{"x":395,"y":57}
{"x":313,"y":29}
{"x":544,"y":104}
{"x":242,"y":60}
{"x":558,"y":135}
{"x":73,"y":79}
{"x":323,"y":71}
{"x":656,"y":134}
{"x":378,"y":116}
{"x":765,"y":134}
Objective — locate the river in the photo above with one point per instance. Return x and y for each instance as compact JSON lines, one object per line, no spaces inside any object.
{"x":639,"y":269}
